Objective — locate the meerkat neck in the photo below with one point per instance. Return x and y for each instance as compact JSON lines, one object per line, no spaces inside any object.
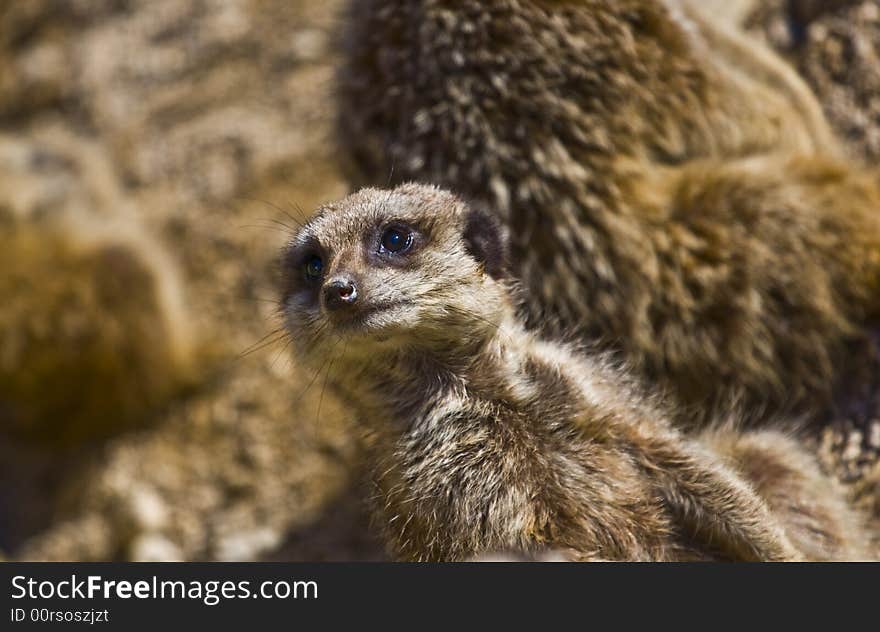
{"x":419,"y":375}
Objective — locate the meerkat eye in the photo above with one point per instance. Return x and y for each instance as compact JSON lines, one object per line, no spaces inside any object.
{"x":313,"y":268}
{"x":396,"y":240}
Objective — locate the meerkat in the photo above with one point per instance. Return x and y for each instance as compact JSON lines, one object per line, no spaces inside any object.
{"x":484,"y":438}
{"x":659,"y":178}
{"x":94,"y":333}
{"x":492,"y":91}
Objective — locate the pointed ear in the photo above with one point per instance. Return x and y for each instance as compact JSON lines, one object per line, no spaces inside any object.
{"x":486,"y":242}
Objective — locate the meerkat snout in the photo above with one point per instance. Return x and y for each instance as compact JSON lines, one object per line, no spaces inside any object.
{"x":416,"y":265}
{"x":340,"y":292}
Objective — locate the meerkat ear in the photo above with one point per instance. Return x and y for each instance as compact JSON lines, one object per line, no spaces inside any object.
{"x":486,"y":242}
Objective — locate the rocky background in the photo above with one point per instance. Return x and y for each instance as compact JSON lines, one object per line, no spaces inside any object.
{"x":204,"y":127}
{"x":192,"y":120}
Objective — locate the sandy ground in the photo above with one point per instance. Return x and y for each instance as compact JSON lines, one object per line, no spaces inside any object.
{"x":197,"y":119}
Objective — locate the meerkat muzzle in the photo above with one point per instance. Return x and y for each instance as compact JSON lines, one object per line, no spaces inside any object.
{"x":340,"y":292}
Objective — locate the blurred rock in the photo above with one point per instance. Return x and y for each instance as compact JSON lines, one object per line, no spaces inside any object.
{"x":93,"y":334}
{"x":155,"y":548}
{"x":148,"y":508}
{"x":242,"y":546}
{"x":203,"y":123}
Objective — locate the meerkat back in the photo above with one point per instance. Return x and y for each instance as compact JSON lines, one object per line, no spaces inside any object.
{"x":95,"y":333}
{"x":812,"y":508}
{"x":455,"y":94}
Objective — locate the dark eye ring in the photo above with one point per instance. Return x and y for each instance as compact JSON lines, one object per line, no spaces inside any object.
{"x":313,"y":268}
{"x":396,"y":240}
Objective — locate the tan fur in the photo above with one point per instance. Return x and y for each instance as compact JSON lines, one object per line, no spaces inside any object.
{"x":485,"y":438}
{"x":725,"y":12}
{"x":760,"y":272}
{"x":810,"y":504}
{"x":751,"y":63}
{"x":644,"y":163}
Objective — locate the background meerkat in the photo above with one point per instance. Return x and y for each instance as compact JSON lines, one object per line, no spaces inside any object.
{"x":485,"y":438}
{"x":94,"y":333}
{"x":613,"y":138}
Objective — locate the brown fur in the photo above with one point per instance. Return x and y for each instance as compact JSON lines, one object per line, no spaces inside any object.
{"x":484,"y":438}
{"x":616,"y":141}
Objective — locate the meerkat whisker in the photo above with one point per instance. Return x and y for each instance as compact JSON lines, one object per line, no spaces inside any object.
{"x":302,"y":394}
{"x":280,"y":228}
{"x":256,"y":346}
{"x":299,"y":223}
{"x":324,"y":386}
{"x":296,"y":207}
{"x":281,"y":352}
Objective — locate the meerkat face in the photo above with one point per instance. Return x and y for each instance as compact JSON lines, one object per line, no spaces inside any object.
{"x":414,"y":266}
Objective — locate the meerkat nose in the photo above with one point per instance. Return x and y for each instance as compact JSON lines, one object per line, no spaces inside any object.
{"x":340,"y":291}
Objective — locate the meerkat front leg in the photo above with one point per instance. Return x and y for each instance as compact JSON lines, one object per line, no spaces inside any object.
{"x":710,"y":502}
{"x":809,"y":505}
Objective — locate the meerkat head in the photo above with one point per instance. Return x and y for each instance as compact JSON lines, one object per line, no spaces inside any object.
{"x":411,"y":267}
